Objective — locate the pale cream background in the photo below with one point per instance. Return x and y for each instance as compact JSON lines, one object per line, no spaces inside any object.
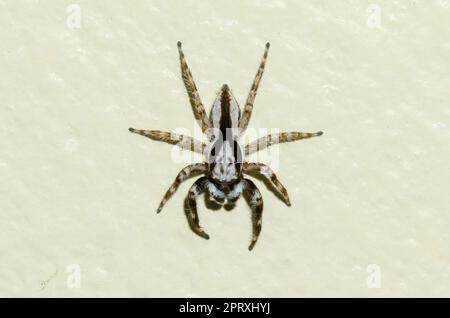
{"x":77,"y":188}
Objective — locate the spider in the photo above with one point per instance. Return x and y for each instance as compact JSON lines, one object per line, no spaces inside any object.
{"x":224,"y":168}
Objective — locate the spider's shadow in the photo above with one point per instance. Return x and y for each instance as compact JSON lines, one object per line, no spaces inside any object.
{"x":209,"y":203}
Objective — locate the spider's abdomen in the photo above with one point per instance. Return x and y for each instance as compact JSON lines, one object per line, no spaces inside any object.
{"x":225,"y":157}
{"x":225,"y":112}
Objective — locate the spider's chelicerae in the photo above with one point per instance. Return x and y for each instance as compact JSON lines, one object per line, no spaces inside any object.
{"x":224,"y":168}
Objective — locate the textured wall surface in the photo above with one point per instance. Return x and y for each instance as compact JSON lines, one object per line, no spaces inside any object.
{"x":78,"y":192}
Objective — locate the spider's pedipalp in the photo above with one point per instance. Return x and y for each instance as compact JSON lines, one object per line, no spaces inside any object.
{"x":182,"y":141}
{"x":235,"y":192}
{"x":278,"y":138}
{"x":194,"y":96}
{"x":255,"y":201}
{"x":185,"y":173}
{"x":196,"y":189}
{"x":265,"y":171}
{"x":215,"y":193}
{"x":248,"y":108}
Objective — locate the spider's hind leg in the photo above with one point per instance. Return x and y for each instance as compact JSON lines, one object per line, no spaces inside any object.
{"x":190,"y":209}
{"x":194,"y":96}
{"x":248,"y":108}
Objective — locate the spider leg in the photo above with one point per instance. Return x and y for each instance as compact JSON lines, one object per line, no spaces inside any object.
{"x":243,"y":122}
{"x":182,"y":141}
{"x":185,"y":173}
{"x":194,"y":96}
{"x":197,"y":188}
{"x":272,"y":139}
{"x":268,"y":173}
{"x":255,"y":201}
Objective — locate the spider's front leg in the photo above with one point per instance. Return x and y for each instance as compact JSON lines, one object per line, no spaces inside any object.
{"x":267,"y":172}
{"x":197,"y":188}
{"x":256,"y":204}
{"x":185,"y":173}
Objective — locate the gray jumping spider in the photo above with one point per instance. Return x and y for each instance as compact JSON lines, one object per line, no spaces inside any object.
{"x":223,"y":168}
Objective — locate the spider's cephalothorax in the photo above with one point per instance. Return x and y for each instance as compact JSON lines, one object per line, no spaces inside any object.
{"x":224,"y":163}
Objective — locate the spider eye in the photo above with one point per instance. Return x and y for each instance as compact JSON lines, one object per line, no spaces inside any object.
{"x":211,"y":157}
{"x":237,"y":152}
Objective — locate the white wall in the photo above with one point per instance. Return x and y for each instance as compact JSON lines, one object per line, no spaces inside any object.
{"x":77,"y":188}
